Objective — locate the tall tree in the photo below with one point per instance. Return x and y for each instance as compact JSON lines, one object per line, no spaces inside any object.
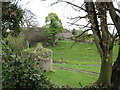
{"x":97,"y":15}
{"x":53,"y":26}
{"x":12,"y":18}
{"x":115,"y":79}
{"x":103,"y":40}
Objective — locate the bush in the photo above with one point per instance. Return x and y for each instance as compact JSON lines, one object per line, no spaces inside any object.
{"x":20,"y":72}
{"x":18,"y":43}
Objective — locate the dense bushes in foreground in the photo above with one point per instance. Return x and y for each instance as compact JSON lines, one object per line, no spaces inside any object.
{"x":20,"y":72}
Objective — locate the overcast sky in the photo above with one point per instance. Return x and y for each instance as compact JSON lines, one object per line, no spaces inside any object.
{"x":42,"y":8}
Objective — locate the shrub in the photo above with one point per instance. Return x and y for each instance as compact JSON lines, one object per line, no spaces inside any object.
{"x":18,"y":43}
{"x":20,"y":72}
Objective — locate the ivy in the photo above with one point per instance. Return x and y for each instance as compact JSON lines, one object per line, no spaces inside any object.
{"x":20,"y":72}
{"x":12,"y":19}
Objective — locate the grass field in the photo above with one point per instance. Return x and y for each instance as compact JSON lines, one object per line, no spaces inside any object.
{"x":68,"y":74}
{"x":80,"y":53}
{"x":94,"y":68}
{"x":79,"y":64}
{"x":65,"y":77}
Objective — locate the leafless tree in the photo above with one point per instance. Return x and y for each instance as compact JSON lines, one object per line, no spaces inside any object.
{"x":30,"y":19}
{"x":104,"y":40}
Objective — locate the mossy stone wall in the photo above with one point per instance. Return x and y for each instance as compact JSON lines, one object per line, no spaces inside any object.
{"x":42,"y":56}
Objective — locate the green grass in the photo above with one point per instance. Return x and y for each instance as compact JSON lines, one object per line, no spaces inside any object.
{"x":83,"y":67}
{"x":77,"y":57}
{"x":62,"y":77}
{"x":72,"y":78}
{"x":79,"y":53}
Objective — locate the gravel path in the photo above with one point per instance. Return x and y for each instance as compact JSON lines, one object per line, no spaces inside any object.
{"x":78,"y":70}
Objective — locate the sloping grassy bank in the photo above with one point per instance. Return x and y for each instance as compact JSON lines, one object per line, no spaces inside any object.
{"x":78,"y":54}
{"x":73,"y":63}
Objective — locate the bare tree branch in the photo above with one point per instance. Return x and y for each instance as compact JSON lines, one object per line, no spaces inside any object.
{"x":77,"y":17}
{"x":82,"y":26}
{"x":113,"y":39}
{"x":76,"y":9}
{"x":83,"y":33}
{"x":115,"y":18}
{"x":70,"y":4}
{"x":117,"y":10}
{"x":86,"y":26}
{"x":54,"y":3}
{"x":110,"y":24}
{"x":79,"y":36}
{"x":75,"y":5}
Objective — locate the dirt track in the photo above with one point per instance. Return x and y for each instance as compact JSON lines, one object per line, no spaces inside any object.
{"x":78,"y":70}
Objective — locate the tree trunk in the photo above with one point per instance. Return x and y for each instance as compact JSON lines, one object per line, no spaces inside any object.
{"x":103,"y":41}
{"x":53,"y":40}
{"x":115,"y":78}
{"x":105,"y":72}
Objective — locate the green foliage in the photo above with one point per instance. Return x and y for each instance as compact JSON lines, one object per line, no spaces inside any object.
{"x":53,"y":26}
{"x":18,"y":43}
{"x":12,"y":19}
{"x":20,"y":72}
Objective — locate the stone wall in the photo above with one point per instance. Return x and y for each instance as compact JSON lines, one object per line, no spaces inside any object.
{"x":42,"y":56}
{"x":64,"y":36}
